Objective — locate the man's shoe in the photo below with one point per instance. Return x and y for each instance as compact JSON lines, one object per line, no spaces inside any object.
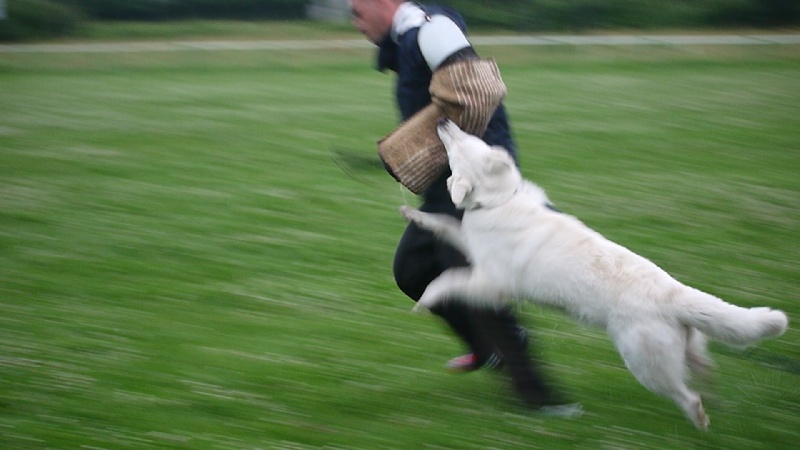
{"x":470,"y":363}
{"x":463,"y":363}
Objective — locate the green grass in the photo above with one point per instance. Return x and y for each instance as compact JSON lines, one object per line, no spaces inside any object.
{"x":184,"y":265}
{"x":200,"y":29}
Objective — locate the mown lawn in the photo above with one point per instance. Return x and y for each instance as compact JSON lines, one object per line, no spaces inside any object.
{"x":184,"y":263}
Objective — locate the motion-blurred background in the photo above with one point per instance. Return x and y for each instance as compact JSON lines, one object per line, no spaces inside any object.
{"x":196,"y":238}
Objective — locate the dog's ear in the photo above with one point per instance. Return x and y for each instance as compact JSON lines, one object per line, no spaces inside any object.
{"x":498,"y":161}
{"x":459,"y":188}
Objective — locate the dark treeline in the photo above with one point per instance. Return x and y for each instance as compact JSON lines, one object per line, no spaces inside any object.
{"x":577,"y":15}
{"x":43,"y":18}
{"x":183,"y":9}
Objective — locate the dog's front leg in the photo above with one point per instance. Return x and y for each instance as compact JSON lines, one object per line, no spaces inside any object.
{"x":443,"y":226}
{"x":449,"y":284}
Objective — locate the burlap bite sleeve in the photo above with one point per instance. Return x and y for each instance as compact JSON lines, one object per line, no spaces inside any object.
{"x":413,"y":153}
{"x":467,"y":92}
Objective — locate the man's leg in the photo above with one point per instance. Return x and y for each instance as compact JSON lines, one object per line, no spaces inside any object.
{"x":493,"y":335}
{"x":525,"y":370}
{"x":498,"y":330}
{"x":418,"y":261}
{"x":416,"y":264}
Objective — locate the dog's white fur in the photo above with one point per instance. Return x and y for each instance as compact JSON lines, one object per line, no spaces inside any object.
{"x":520,"y":248}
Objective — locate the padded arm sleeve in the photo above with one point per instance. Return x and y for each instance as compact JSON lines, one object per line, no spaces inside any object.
{"x":439,"y":38}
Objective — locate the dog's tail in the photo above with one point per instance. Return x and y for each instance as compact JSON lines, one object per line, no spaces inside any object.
{"x":728,"y":323}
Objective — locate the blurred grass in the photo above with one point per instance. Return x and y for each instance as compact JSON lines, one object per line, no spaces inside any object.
{"x":184,"y":265}
{"x":200,"y":29}
{"x":227,"y":29}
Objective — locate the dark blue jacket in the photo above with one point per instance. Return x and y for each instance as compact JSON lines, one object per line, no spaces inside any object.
{"x":414,"y":79}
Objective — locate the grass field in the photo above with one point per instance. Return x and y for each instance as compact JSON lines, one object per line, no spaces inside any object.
{"x":184,"y":263}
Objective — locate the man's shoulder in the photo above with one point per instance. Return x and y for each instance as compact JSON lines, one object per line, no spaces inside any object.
{"x":451,"y":13}
{"x":405,"y":40}
{"x":412,"y":16}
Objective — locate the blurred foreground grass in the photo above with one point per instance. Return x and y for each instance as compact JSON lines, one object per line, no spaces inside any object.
{"x":184,"y":265}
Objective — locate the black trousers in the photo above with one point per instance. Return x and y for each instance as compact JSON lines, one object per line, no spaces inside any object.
{"x":420,"y":258}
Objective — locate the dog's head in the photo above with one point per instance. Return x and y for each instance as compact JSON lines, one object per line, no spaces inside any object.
{"x":482,"y":176}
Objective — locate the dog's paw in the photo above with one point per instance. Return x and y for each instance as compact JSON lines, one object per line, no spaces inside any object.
{"x":409,"y":213}
{"x":418,"y":308}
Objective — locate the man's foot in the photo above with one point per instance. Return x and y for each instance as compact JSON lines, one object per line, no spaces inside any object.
{"x":463,"y":363}
{"x":469,"y":363}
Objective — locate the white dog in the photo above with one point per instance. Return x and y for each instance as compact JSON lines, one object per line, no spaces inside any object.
{"x":521,"y":247}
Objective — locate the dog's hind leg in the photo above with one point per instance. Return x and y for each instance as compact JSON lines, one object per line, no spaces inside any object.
{"x":656,"y":355}
{"x":697,"y":352}
{"x":700,"y":363}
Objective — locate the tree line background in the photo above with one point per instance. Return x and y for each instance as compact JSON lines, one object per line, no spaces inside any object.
{"x":50,"y":18}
